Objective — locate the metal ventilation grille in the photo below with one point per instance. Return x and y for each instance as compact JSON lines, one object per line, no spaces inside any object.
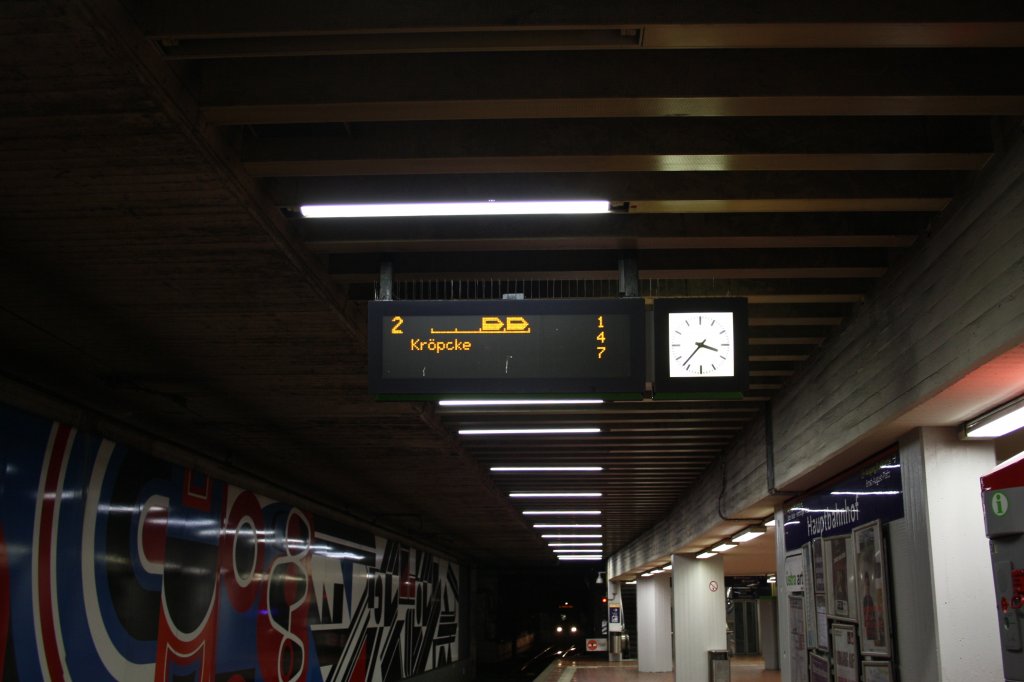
{"x":447,"y":290}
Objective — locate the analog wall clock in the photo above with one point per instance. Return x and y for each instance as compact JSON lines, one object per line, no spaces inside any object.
{"x":700,"y":345}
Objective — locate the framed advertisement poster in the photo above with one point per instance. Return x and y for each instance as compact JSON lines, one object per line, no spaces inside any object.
{"x":844,"y":653}
{"x":810,"y":616}
{"x":877,"y":671}
{"x":821,"y":622}
{"x":820,"y":670}
{"x":840,"y":587}
{"x":794,"y":572}
{"x":872,"y":589}
{"x":817,"y":566}
{"x":797,"y":641}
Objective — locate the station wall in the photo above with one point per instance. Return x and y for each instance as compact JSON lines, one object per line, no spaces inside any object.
{"x":117,"y":565}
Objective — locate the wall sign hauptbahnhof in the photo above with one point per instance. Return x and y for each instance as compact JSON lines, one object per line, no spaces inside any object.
{"x":546,"y":347}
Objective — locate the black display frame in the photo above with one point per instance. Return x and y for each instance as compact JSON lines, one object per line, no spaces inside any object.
{"x":629,"y":386}
{"x":666,"y":386}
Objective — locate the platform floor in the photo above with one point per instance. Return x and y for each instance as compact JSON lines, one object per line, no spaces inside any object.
{"x":743,"y":669}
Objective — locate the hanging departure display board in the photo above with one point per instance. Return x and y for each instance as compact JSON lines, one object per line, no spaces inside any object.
{"x":543,"y":347}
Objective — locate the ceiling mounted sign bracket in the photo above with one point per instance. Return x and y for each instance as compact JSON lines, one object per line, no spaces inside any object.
{"x":387,"y":280}
{"x":629,"y":275}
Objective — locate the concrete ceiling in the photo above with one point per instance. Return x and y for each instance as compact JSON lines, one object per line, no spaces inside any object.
{"x":157,"y":275}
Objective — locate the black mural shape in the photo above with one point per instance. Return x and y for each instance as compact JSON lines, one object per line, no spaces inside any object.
{"x":190,"y":580}
{"x":137,"y":608}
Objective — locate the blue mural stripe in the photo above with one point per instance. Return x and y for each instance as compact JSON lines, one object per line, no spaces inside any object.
{"x":148,"y":563}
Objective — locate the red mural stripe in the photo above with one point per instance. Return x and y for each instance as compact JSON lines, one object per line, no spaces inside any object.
{"x":45,"y":544}
{"x":359,"y":673}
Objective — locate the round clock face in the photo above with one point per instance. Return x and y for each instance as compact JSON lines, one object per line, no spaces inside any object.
{"x":700,"y":344}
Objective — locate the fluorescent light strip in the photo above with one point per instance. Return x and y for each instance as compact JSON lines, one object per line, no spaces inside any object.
{"x":543,"y":469}
{"x":562,"y":512}
{"x":748,"y":535}
{"x":453,"y":208}
{"x":525,"y":432}
{"x":998,"y":422}
{"x":567,"y":525}
{"x":575,"y":544}
{"x":576,"y":550}
{"x":707,"y":555}
{"x":554,"y":494}
{"x":499,"y":403}
{"x":557,"y":536}
{"x":724,"y":547}
{"x":580,"y":557}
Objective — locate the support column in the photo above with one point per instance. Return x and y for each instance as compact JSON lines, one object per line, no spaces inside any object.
{"x":699,"y":601}
{"x":943,"y":593}
{"x":654,"y":623}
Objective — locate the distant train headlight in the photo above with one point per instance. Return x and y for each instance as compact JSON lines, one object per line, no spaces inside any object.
{"x":558,"y":629}
{"x":572,"y":629}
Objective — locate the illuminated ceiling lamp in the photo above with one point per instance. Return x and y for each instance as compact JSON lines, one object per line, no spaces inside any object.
{"x":454,"y":209}
{"x":749,"y":534}
{"x":997,"y":422}
{"x":518,"y":402}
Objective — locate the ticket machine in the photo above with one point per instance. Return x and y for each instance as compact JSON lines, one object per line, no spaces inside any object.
{"x":1002,"y":493}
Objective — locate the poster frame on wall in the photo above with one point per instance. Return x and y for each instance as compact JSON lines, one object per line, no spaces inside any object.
{"x":821,"y":620}
{"x":797,"y":637}
{"x":820,"y":668}
{"x":810,"y":616}
{"x":844,"y":652}
{"x":818,"y":581}
{"x":877,"y":671}
{"x":872,"y":589}
{"x":840,"y":586}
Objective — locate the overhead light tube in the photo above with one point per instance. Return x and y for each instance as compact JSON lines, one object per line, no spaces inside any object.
{"x":997,"y":422}
{"x":749,"y":534}
{"x":453,"y":209}
{"x":562,"y":512}
{"x":531,"y":495}
{"x":724,"y":547}
{"x":575,"y":544}
{"x":525,"y":432}
{"x":524,"y":401}
{"x":707,"y":555}
{"x":514,"y":470}
{"x":567,"y":525}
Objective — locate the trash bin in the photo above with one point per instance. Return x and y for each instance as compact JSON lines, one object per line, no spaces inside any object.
{"x":718,"y":666}
{"x":614,"y":646}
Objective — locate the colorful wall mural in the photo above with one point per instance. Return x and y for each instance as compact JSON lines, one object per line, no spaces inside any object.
{"x":115,"y":565}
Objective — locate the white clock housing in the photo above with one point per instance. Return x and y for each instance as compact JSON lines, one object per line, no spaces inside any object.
{"x":701,"y":344}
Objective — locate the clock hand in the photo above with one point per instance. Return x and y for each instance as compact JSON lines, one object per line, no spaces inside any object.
{"x":692,"y":354}
{"x":704,"y":345}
